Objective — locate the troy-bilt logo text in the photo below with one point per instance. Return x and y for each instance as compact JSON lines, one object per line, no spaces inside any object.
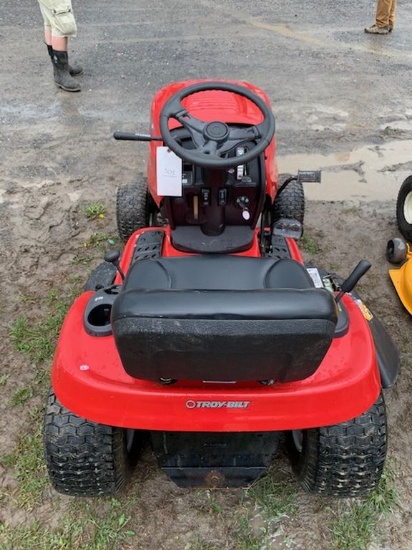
{"x":190,"y":404}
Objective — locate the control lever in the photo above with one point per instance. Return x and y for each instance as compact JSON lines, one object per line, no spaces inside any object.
{"x":350,"y":283}
{"x":113,"y":258}
{"x":128,"y":136}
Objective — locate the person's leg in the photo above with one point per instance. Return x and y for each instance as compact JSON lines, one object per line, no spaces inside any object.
{"x":56,"y":31}
{"x":392,"y":15}
{"x":59,"y":43}
{"x":47,"y":36}
{"x":381,"y":25}
{"x":382,"y":13}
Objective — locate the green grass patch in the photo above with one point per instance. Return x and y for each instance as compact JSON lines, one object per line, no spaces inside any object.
{"x":310,"y":245}
{"x":272,"y":500}
{"x":83,"y":527}
{"x":100,"y":240}
{"x":28,"y":465}
{"x":95,"y":211}
{"x":276,"y":498}
{"x":354,"y":528}
{"x":38,"y":339}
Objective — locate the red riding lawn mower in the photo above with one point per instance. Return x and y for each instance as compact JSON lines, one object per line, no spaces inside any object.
{"x":210,"y":335}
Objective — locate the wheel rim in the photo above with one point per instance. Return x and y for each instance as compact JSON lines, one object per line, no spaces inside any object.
{"x":297,"y":437}
{"x":407,"y":208}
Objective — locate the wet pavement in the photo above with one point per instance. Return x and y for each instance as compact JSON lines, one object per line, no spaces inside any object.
{"x":334,"y":89}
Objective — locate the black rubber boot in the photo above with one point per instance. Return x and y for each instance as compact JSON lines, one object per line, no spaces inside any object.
{"x":75,"y":69}
{"x":61,"y":73}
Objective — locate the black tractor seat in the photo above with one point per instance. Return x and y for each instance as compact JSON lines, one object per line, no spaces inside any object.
{"x":222,"y":318}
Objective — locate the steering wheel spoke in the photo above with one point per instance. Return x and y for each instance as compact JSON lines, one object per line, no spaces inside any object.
{"x":210,"y":148}
{"x":244,"y":134}
{"x":193,"y":125}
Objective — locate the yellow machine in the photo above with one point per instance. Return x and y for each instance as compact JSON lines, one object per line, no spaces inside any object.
{"x":399,"y":251}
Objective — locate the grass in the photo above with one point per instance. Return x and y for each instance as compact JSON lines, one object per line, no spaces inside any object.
{"x":100,"y":240}
{"x":83,"y":528}
{"x":100,"y":525}
{"x":276,"y":498}
{"x":37,"y":339}
{"x":310,"y":245}
{"x":27,"y":462}
{"x":273,"y":500}
{"x":95,"y":211}
{"x":354,"y":528}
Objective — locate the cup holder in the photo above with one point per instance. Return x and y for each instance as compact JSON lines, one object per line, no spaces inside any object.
{"x":97,"y":313}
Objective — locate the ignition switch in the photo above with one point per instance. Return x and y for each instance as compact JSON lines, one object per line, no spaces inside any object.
{"x":243,"y":203}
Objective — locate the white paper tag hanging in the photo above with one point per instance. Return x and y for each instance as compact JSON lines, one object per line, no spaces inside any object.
{"x":169,"y":173}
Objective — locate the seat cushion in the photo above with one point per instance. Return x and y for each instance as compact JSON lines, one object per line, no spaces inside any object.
{"x":214,"y":272}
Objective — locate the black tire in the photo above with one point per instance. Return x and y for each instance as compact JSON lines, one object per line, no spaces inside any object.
{"x":344,"y":460}
{"x":85,"y":458}
{"x":404,"y":209}
{"x":289,"y":203}
{"x":135,"y":209}
{"x":101,"y":277}
{"x":396,"y":251}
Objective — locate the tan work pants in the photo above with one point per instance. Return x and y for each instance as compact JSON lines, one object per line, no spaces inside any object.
{"x":385,"y":13}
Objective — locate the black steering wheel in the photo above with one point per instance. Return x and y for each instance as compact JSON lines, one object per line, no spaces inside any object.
{"x":212,"y":140}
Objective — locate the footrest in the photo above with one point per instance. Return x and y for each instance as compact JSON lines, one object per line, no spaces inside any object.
{"x":148,"y":245}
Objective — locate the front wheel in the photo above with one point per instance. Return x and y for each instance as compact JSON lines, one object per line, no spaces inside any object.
{"x":85,"y":458}
{"x":289,"y":203}
{"x":343,"y":460}
{"x":404,"y":209}
{"x":135,"y":209}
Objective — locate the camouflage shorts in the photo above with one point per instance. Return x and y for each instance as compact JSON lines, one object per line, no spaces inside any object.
{"x":58,"y":15}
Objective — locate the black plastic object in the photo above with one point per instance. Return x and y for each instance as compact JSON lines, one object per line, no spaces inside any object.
{"x":214,"y":459}
{"x":349,"y":284}
{"x":184,"y":318}
{"x":98,"y":309}
{"x":288,"y":228}
{"x":112,"y":257}
{"x":309,"y":176}
{"x":128,"y":136}
{"x":213,"y":140}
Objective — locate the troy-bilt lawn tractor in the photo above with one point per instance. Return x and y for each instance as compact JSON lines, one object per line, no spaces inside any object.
{"x":209,"y":334}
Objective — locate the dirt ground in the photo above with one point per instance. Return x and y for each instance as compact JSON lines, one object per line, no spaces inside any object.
{"x":342,"y":103}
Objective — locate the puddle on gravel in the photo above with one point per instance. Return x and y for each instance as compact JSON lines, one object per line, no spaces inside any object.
{"x":368,"y":173}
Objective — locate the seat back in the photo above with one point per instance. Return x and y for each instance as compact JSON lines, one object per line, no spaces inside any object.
{"x":275,"y":334}
{"x":237,"y":333}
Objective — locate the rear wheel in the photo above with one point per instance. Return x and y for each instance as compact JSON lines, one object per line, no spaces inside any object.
{"x":404,"y":209}
{"x":135,"y":209}
{"x":344,"y":460}
{"x":85,"y":458}
{"x":290,"y":203}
